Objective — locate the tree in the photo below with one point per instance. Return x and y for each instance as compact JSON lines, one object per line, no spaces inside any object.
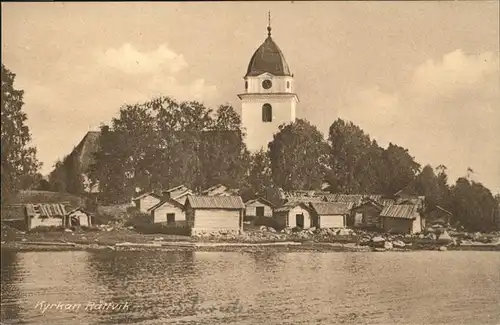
{"x":401,"y":167}
{"x":298,"y":154}
{"x":259,"y":175}
{"x":348,"y":147}
{"x":427,"y":184}
{"x":371,"y":171}
{"x":18,"y":157}
{"x":356,"y":162}
{"x":33,"y":182}
{"x":162,"y":143}
{"x":57,"y":178}
{"x":226,"y":119}
{"x":473,"y":205}
{"x":224,"y":157}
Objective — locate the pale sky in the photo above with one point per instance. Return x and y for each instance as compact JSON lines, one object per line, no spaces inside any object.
{"x":423,"y":75}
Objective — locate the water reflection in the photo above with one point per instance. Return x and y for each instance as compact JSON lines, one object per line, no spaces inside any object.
{"x":154,"y":284}
{"x":10,"y":292}
{"x":185,"y":287}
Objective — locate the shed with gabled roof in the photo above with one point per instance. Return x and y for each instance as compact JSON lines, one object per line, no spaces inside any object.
{"x":178,"y":193}
{"x":257,"y":208}
{"x":294,"y":214}
{"x":146,"y":200}
{"x":44,"y":215}
{"x":78,"y":217}
{"x":214,"y":213}
{"x":169,"y":211}
{"x":400,"y":218}
{"x":330,"y":214}
{"x":366,"y":215}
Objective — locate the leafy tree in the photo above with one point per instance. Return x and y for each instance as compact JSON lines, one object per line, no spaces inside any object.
{"x":181,"y":127}
{"x":297,"y":154}
{"x":357,"y":163}
{"x":163,"y":143}
{"x":402,"y":168}
{"x":427,"y":184}
{"x":473,"y":205}
{"x":259,"y":175}
{"x":30,"y":181}
{"x":224,"y":155}
{"x":349,"y":145}
{"x":57,"y":178}
{"x":226,"y":119}
{"x":371,"y":172}
{"x":18,"y":158}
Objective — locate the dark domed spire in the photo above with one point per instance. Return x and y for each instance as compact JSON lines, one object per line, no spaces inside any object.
{"x":268,"y":58}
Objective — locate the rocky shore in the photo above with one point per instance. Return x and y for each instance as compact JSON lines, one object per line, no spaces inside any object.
{"x":289,"y":240}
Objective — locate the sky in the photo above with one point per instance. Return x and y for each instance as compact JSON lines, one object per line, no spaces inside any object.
{"x":422,"y":75}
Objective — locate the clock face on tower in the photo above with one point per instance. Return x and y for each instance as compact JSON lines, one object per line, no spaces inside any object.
{"x":266,"y":84}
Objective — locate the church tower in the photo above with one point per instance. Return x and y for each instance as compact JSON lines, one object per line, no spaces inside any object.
{"x":269,"y":99}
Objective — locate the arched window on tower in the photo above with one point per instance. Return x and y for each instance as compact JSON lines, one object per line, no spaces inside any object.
{"x":267,"y":113}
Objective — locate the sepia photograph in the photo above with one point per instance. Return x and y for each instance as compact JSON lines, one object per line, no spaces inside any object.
{"x":250,"y":162}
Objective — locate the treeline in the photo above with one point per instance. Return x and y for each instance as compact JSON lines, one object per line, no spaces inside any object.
{"x":163,"y":143}
{"x":19,"y":167}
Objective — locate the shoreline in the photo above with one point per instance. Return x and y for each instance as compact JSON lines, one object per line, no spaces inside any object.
{"x":288,"y":246}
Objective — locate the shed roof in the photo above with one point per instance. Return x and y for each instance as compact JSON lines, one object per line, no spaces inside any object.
{"x":331,"y":208}
{"x":227,"y":192}
{"x":354,"y":198}
{"x":79,"y":209}
{"x":386,"y":202}
{"x":300,"y":194}
{"x":304,"y":199}
{"x":291,"y":205}
{"x":442,"y":210}
{"x":186,"y":192}
{"x":261,"y":200}
{"x":374,"y":197}
{"x":167,"y":200}
{"x":177,"y":188}
{"x":215,"y":202}
{"x":373,"y":203}
{"x":400,"y":211}
{"x":357,"y":199}
{"x":213,"y":188}
{"x":46,"y":210}
{"x":146,"y":194}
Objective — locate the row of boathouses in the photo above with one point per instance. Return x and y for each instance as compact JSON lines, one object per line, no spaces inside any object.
{"x":219,"y":208}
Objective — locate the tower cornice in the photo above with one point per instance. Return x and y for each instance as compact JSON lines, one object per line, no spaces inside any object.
{"x":266,"y":95}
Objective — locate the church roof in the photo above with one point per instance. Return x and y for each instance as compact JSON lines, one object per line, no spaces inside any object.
{"x":268,"y":58}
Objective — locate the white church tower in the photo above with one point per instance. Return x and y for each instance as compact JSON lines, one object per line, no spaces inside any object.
{"x":269,"y":99}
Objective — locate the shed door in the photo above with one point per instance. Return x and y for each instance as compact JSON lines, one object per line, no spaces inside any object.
{"x":170,"y":218}
{"x":259,"y":211}
{"x":358,"y":219}
{"x":299,"y":220}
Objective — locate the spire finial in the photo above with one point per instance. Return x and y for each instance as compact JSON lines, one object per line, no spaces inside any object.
{"x":269,"y":24}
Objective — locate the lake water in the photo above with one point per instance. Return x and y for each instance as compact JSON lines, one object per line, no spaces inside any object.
{"x":185,"y":287}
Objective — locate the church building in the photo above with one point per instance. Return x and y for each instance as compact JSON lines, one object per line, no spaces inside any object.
{"x":269,"y":99}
